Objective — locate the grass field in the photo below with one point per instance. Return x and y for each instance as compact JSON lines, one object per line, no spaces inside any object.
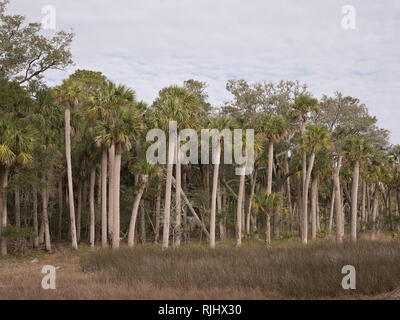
{"x":288,"y":270}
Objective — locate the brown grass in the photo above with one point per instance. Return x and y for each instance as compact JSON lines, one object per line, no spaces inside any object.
{"x":288,"y":270}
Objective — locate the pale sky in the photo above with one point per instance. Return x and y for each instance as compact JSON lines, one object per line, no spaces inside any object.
{"x":150,"y":44}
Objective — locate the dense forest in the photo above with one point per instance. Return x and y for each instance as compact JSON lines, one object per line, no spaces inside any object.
{"x":73,"y":162}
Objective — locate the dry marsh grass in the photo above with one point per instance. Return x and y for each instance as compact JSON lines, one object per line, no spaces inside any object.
{"x":286,"y":271}
{"x":289,"y":272}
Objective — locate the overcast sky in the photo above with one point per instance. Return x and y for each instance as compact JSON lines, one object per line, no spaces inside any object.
{"x":150,"y":44}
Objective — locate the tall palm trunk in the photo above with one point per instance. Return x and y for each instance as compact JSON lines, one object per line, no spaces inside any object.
{"x":91,"y":201}
{"x":240,"y":206}
{"x":116,"y":185}
{"x":17,"y":208}
{"x":363,"y":201}
{"x":304,"y":233}
{"x":178,"y":207}
{"x":142,"y":223}
{"x":270,"y":164}
{"x":60,"y":207}
{"x":69,"y":175}
{"x":104,"y":199}
{"x":79,"y":214}
{"x":158,"y":214}
{"x":111,"y":161}
{"x":168,"y":187}
{"x":354,"y":202}
{"x":45,"y":215}
{"x":253,"y":181}
{"x":331,"y":211}
{"x":214,"y":194}
{"x":3,"y":209}
{"x":268,"y":229}
{"x":35,"y":217}
{"x":314,"y":208}
{"x":375,"y":208}
{"x":338,"y":202}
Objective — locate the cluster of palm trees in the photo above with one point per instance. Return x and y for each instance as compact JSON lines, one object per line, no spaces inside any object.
{"x":89,"y":134}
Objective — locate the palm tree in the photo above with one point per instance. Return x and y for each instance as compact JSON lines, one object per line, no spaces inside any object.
{"x":219,"y":123}
{"x":174,"y":104}
{"x":17,"y":140}
{"x":68,"y":95}
{"x":355,"y":149}
{"x":273,"y":128}
{"x":267,"y":202}
{"x":315,"y":138}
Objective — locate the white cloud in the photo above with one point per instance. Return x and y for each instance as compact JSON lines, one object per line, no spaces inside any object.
{"x":150,"y":44}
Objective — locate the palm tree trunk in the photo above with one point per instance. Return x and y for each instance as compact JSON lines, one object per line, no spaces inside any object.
{"x":338,"y":202}
{"x":314,"y":208}
{"x":111,"y":161}
{"x":268,"y":229}
{"x":60,"y":207}
{"x":17,"y":208}
{"x":104,"y":199}
{"x":331,"y":211}
{"x":214,"y":194}
{"x":304,"y":234}
{"x":91,"y":201}
{"x":354,"y":202}
{"x":253,"y":181}
{"x":79,"y":214}
{"x":375,"y":208}
{"x":69,"y":175}
{"x":35,"y":218}
{"x":363,"y":201}
{"x":158,"y":214}
{"x":116,"y":185}
{"x":270,"y":163}
{"x":45,"y":216}
{"x":3,"y":209}
{"x":168,"y":187}
{"x":135,"y":209}
{"x":239,"y":207}
{"x":142,"y":223}
{"x":178,"y":207}
{"x":389,"y":196}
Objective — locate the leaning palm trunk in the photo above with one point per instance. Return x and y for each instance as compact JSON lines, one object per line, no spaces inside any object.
{"x":104,"y":199}
{"x":168,"y":187}
{"x":45,"y":216}
{"x":253,"y":181}
{"x":111,"y":161}
{"x":270,"y":163}
{"x":135,"y":209}
{"x":338,"y":202}
{"x":69,"y":175}
{"x":116,"y":185}
{"x":304,"y":233}
{"x":91,"y":201}
{"x":214,"y":194}
{"x":354,"y":195}
{"x":178,"y":208}
{"x":35,"y":218}
{"x":3,"y":209}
